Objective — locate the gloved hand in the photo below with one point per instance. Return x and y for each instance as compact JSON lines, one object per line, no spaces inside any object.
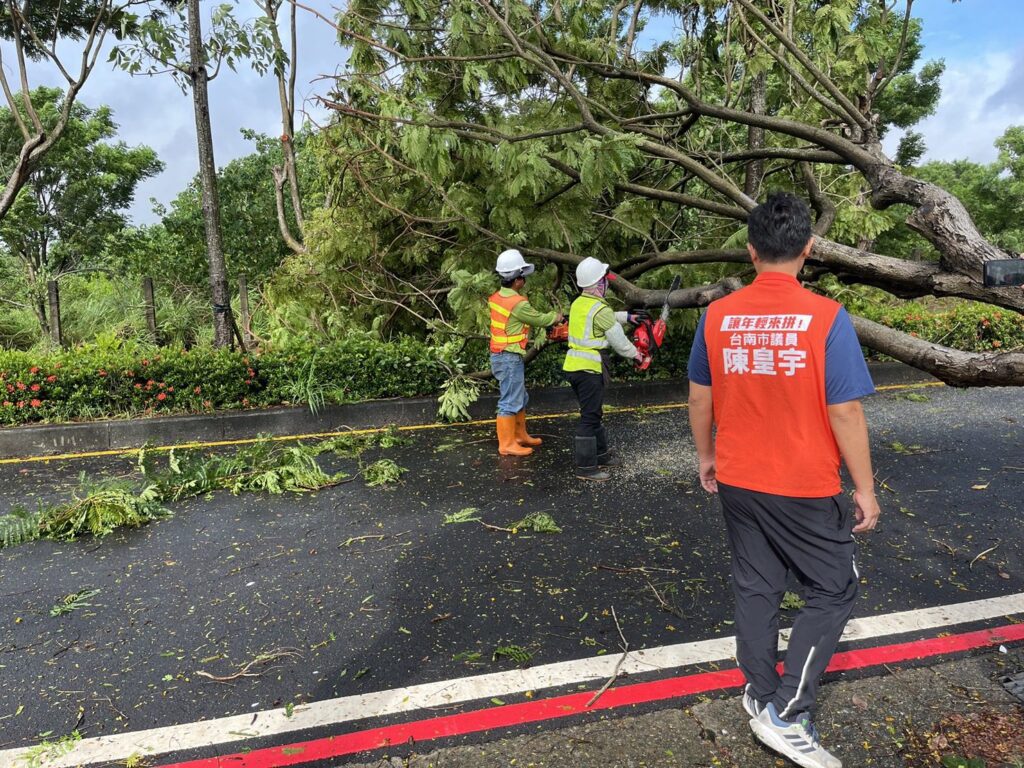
{"x":634,"y":317}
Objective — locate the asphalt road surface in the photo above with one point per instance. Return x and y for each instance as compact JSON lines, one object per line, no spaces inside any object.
{"x":356,"y":589}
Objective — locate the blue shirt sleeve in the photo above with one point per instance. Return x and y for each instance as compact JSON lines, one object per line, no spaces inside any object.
{"x":846,"y":373}
{"x":699,"y":368}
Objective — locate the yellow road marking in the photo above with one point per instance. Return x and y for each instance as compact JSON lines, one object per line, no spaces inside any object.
{"x":370,"y":431}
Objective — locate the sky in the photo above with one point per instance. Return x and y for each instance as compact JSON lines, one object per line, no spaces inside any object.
{"x":982,"y":92}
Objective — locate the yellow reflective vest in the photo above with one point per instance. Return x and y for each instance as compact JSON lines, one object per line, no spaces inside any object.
{"x":585,"y":341}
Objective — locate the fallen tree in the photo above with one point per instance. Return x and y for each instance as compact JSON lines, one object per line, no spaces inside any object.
{"x":566,"y":129}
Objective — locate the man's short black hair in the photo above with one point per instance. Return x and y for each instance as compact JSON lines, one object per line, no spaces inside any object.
{"x":780,"y":227}
{"x":510,"y":281}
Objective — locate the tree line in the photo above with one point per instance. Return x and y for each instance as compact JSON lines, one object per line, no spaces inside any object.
{"x":566,"y":129}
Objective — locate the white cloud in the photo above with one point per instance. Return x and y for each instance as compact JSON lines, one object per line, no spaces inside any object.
{"x":980,"y":99}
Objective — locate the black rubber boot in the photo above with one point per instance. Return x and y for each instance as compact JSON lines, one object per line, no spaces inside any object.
{"x":605,"y":456}
{"x":586,"y":459}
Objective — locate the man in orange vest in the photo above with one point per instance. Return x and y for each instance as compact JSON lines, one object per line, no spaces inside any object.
{"x":778,"y":369}
{"x":511,"y":320}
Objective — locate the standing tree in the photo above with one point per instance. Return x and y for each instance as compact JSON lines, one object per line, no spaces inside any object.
{"x":287,"y":172}
{"x":40,"y":30}
{"x":172,"y":41}
{"x":75,"y":195}
{"x":552,"y":126}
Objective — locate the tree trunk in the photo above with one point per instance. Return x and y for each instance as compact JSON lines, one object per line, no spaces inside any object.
{"x":208,"y":178}
{"x":53,"y":299}
{"x":755,"y":137}
{"x":149,"y":306}
{"x":243,"y":310}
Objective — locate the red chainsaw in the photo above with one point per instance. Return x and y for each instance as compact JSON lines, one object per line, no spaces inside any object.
{"x":650,"y":334}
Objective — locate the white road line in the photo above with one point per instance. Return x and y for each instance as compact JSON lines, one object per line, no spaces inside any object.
{"x":450,"y":692}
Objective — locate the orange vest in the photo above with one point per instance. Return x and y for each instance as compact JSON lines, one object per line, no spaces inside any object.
{"x":766,"y":349}
{"x":501,"y":310}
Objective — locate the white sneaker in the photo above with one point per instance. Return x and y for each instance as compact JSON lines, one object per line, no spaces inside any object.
{"x":752,"y":705}
{"x":798,"y":741}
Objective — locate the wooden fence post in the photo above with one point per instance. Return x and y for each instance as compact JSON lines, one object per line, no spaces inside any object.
{"x":53,"y":299}
{"x":243,"y":305}
{"x":149,"y":306}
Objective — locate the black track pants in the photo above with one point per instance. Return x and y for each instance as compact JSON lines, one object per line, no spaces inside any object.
{"x":812,"y":537}
{"x":589,"y":390}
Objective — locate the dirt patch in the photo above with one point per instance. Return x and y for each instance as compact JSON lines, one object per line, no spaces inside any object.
{"x":989,"y":739}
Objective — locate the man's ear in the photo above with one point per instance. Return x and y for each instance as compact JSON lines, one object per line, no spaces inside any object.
{"x":807,"y":248}
{"x":753,"y":253}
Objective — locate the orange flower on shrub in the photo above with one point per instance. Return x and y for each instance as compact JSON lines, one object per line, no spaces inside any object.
{"x":35,"y":403}
{"x":51,"y":378}
{"x":102,"y":373}
{"x":21,"y":386}
{"x":34,"y":369}
{"x":162,"y":396}
{"x":35,"y":387}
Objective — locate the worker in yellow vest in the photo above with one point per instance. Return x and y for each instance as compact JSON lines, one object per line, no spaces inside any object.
{"x":593,"y":328}
{"x":511,"y":320}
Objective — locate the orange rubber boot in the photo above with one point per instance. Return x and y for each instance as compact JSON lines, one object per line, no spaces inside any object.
{"x":507,"y":445}
{"x":522,"y":436}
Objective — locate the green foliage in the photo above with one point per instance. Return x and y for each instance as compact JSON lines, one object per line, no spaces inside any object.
{"x":76,"y":194}
{"x":966,"y":325}
{"x":514,"y":653}
{"x":538,"y":522}
{"x":265,"y":466}
{"x":99,"y":509}
{"x":74,"y":602}
{"x":115,"y":377}
{"x":456,"y":396}
{"x":383,"y":472}
{"x":19,"y":526}
{"x":95,"y":508}
{"x":47,"y":752}
{"x":467,"y":515}
{"x":791,"y":601}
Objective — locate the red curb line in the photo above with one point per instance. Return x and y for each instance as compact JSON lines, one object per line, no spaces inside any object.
{"x":576,"y":703}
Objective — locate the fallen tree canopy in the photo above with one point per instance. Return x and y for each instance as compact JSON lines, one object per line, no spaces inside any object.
{"x":642,"y":133}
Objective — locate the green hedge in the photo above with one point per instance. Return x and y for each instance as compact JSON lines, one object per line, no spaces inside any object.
{"x":90,"y":382}
{"x":968,"y":326}
{"x":97,"y":381}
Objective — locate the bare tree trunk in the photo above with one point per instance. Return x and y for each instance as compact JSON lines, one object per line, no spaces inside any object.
{"x":755,"y":137}
{"x":286,"y":173}
{"x":243,"y":309}
{"x":149,"y":306}
{"x":222,"y":320}
{"x":53,"y":299}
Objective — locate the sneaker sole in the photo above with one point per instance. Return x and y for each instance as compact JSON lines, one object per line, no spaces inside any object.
{"x":749,"y":708}
{"x":777,"y":744}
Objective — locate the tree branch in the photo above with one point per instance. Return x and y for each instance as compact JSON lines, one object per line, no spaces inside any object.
{"x":954,"y":367}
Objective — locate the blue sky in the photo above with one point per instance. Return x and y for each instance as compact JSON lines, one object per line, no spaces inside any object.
{"x":983,"y":92}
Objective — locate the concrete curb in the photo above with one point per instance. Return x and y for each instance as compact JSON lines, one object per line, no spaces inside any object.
{"x":49,"y":439}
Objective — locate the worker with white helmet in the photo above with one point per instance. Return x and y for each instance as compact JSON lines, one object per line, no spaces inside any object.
{"x":511,"y":320}
{"x":594,"y":327}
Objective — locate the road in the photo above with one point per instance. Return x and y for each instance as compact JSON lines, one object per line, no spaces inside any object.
{"x":353,"y":589}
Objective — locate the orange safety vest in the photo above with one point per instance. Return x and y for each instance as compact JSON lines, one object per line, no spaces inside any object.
{"x":501,"y":310}
{"x":766,"y":349}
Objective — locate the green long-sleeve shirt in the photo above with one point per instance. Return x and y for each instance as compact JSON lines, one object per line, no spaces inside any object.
{"x":524,"y":314}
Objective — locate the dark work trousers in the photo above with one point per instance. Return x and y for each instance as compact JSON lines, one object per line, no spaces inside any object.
{"x":589,"y":390}
{"x":769,"y":535}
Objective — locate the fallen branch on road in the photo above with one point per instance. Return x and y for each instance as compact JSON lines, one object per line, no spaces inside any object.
{"x":618,"y":665}
{"x":245,"y":670}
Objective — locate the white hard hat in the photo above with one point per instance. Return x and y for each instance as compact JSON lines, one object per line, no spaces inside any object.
{"x":512,"y":264}
{"x":590,"y":271}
